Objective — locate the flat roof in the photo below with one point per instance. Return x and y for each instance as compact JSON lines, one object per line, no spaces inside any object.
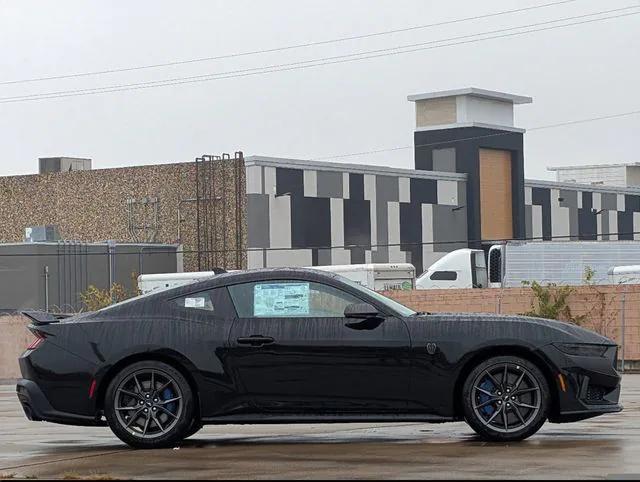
{"x":474,"y":92}
{"x":351,"y":168}
{"x":594,"y":166}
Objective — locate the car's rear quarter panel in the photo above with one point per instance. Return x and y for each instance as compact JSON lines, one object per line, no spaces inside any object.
{"x":97,"y":345}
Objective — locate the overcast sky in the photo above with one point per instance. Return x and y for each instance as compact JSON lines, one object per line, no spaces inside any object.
{"x":573,"y":73}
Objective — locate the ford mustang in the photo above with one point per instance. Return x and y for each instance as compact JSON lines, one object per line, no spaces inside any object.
{"x":299,"y":346}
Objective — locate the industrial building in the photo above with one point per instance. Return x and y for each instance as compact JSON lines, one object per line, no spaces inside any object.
{"x":467,"y":189}
{"x":46,"y":275}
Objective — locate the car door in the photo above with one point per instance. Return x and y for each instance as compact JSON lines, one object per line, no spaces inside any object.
{"x":293,"y":350}
{"x":208,"y":316}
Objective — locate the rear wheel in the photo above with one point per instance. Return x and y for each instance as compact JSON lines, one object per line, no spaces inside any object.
{"x":506,"y":399}
{"x":149,"y":404}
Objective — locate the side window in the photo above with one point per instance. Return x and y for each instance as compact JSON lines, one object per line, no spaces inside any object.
{"x":290,"y":299}
{"x":215,"y":301}
{"x":444,"y":276}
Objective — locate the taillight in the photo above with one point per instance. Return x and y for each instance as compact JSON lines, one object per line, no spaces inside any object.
{"x":37,"y":342}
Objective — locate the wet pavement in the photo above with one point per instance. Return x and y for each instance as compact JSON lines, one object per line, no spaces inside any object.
{"x":604,"y":447}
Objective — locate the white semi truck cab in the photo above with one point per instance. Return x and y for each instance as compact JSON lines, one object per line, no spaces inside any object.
{"x":462,"y":268}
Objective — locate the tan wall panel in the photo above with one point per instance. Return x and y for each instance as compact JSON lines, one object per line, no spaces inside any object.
{"x":496,"y":208}
{"x":435,"y":112}
{"x":14,"y":340}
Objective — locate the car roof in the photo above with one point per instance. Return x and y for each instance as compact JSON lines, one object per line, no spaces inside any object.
{"x":247,"y":276}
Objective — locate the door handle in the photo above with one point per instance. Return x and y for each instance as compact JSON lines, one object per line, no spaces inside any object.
{"x":255,"y":340}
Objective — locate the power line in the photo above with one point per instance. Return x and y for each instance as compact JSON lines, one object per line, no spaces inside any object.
{"x":316,"y":62}
{"x":538,"y":128}
{"x":284,"y":48}
{"x":302,"y":64}
{"x":580,"y":236}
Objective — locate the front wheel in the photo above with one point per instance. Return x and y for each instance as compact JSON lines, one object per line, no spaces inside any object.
{"x":149,"y":404}
{"x":506,"y":398}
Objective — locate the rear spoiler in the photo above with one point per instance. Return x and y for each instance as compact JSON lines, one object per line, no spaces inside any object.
{"x":43,"y":317}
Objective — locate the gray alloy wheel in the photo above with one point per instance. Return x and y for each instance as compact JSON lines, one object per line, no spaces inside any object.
{"x":506,"y":398}
{"x":149,"y":404}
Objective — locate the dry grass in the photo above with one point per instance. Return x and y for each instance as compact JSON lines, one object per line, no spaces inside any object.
{"x":89,"y":476}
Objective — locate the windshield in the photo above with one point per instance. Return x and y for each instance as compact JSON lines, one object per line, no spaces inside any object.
{"x":383,"y":300}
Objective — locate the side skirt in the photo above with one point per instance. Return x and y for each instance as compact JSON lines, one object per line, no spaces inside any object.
{"x":331,"y":418}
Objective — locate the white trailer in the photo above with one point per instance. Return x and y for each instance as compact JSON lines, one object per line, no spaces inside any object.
{"x":560,"y":262}
{"x":377,"y":276}
{"x":620,"y":275}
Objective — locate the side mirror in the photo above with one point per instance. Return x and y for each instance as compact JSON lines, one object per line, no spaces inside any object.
{"x":361,"y":310}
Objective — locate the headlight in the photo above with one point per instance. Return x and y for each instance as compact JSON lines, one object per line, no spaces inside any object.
{"x":582,"y":349}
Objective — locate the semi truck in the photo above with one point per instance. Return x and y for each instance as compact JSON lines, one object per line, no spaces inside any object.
{"x":511,"y":263}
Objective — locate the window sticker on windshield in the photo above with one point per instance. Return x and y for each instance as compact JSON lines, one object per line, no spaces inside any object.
{"x":194,"y":302}
{"x":281,"y":299}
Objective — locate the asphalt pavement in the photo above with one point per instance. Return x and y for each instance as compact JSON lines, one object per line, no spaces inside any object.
{"x":604,"y":447}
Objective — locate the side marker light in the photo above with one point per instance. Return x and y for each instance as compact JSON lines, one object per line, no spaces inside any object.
{"x":92,"y":388}
{"x":563,"y":384}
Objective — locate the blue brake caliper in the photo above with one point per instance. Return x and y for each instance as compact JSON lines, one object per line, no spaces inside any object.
{"x":489,"y":387}
{"x":167,"y":394}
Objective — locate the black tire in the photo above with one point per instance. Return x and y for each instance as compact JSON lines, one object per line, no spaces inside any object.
{"x":149,"y":404}
{"x":508,"y":410}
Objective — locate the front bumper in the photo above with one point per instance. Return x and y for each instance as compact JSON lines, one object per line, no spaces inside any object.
{"x":590,"y":386}
{"x":37,"y":408}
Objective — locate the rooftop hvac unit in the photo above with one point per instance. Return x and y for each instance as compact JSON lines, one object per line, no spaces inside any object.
{"x":35,"y":234}
{"x":63,"y":164}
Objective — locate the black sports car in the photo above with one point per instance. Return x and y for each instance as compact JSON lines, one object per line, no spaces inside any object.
{"x":301,"y":345}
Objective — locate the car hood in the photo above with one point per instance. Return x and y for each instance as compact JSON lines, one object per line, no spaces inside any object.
{"x":559,"y":331}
